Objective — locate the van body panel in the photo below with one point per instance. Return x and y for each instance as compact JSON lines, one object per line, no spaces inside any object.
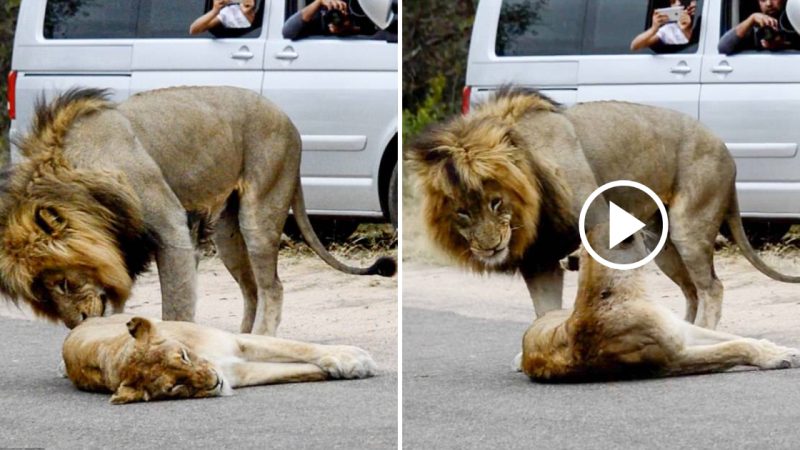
{"x":341,"y":93}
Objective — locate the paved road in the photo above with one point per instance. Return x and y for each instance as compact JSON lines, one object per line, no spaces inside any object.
{"x":40,"y":409}
{"x":459,"y":392}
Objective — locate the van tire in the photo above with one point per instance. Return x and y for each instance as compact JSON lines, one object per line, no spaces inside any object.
{"x":392,"y":198}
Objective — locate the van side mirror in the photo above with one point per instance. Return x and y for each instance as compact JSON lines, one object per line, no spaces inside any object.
{"x":379,"y":12}
{"x":793,"y":13}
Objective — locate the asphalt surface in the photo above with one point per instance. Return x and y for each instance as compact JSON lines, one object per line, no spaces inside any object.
{"x":40,"y":409}
{"x":459,"y":392}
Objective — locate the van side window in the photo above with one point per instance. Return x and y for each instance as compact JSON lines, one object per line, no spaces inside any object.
{"x":610,"y":25}
{"x":540,"y":27}
{"x":756,"y":26}
{"x":310,"y":19}
{"x":678,"y":30}
{"x":160,"y":19}
{"x":87,"y":19}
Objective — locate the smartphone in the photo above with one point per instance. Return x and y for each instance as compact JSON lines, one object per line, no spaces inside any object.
{"x":673,"y":13}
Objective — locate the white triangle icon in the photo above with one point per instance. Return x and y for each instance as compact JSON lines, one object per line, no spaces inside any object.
{"x":622,"y":225}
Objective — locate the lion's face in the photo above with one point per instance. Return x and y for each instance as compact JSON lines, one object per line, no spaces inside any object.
{"x":163,"y":368}
{"x":484,"y":221}
{"x":74,"y":294}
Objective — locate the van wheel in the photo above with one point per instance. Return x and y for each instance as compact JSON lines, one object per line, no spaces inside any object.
{"x":392,"y":197}
{"x":328,"y":230}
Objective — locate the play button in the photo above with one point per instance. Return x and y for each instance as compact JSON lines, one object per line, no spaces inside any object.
{"x":622,"y":225}
{"x":641,"y":209}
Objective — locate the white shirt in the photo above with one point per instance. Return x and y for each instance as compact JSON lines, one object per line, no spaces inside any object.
{"x":671,"y":34}
{"x":232,"y":16}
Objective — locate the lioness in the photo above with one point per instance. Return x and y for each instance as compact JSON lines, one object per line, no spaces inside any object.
{"x":107,"y":187}
{"x":502,"y":189}
{"x":615,"y":332}
{"x":139,"y":359}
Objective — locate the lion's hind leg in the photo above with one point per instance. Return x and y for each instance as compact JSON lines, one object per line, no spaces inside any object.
{"x":338,"y":361}
{"x":233,"y":253}
{"x":712,"y":351}
{"x":259,"y":373}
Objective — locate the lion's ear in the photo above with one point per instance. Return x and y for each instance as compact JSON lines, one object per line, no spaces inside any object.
{"x":141,"y":329}
{"x":50,"y":220}
{"x":127,"y":394}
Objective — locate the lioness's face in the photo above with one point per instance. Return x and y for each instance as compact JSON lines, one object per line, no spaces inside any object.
{"x":484,"y":221}
{"x":161,"y":368}
{"x":73,"y":293}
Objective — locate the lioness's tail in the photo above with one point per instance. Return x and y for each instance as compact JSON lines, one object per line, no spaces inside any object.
{"x":384,"y":266}
{"x":734,"y":221}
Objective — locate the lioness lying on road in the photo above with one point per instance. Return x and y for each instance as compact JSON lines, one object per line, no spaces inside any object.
{"x":142,"y":359}
{"x":615,"y":332}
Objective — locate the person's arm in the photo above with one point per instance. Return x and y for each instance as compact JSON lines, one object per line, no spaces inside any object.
{"x":686,"y":21}
{"x":729,"y":42}
{"x":649,"y":36}
{"x":294,"y":24}
{"x":208,"y":20}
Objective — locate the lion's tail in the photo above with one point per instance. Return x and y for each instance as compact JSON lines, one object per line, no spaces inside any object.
{"x":383,"y":266}
{"x":734,"y":222}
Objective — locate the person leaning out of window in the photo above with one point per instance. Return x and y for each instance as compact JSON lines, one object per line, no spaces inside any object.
{"x":322,"y":18}
{"x":664,"y":32}
{"x":759,"y":31}
{"x":227,"y":13}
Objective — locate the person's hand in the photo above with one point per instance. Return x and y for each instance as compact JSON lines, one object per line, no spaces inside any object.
{"x":335,"y":4}
{"x":659,"y":20}
{"x":763,"y":20}
{"x":685,"y":21}
{"x":219,"y":4}
{"x":248,"y":7}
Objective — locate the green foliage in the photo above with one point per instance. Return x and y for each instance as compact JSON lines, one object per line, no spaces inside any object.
{"x":430,"y":110}
{"x":435,"y":44}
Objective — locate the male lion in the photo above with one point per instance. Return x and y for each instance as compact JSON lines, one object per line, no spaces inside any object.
{"x":615,"y":332}
{"x":106,"y":187}
{"x":138,"y":359}
{"x":503,"y":187}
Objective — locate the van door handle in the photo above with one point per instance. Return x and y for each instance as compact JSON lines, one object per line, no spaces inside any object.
{"x":722,"y":67}
{"x":243,"y":53}
{"x":287,"y":54}
{"x":682,"y":68}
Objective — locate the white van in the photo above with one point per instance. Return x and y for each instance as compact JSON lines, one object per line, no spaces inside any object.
{"x":579,"y":51}
{"x":341,"y":93}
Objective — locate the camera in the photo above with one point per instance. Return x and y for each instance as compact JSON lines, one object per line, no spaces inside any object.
{"x":333,"y":17}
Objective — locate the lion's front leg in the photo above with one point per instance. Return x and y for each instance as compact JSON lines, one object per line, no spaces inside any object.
{"x":545,"y":288}
{"x":178,"y":279}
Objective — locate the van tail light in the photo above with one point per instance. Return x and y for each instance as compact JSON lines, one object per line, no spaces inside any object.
{"x":12,"y":95}
{"x":465,"y":95}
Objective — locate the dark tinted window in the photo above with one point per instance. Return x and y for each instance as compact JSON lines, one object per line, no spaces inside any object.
{"x":168,"y":19}
{"x":110,"y":19}
{"x":540,"y":27}
{"x":78,"y":19}
{"x":612,"y":24}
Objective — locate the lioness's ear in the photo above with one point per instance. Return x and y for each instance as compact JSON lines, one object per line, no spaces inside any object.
{"x":140,"y":328}
{"x":126,"y":394}
{"x":49,"y":220}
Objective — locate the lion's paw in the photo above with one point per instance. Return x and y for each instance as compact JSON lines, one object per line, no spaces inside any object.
{"x":347,"y":362}
{"x":62,"y":369}
{"x":516,"y":364}
{"x":777,"y":357}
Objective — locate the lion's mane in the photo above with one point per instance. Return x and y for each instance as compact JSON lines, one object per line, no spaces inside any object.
{"x":54,"y":215}
{"x":458,"y":158}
